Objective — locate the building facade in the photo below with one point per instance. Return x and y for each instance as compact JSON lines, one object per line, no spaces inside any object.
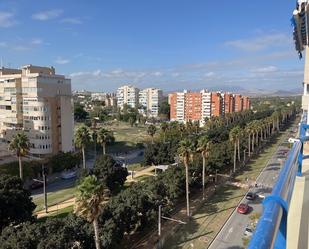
{"x":150,"y":100}
{"x":198,"y":106}
{"x":39,"y":102}
{"x":127,"y":95}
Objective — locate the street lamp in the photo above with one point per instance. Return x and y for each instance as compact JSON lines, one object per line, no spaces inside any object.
{"x":160,"y":217}
{"x":44,"y":187}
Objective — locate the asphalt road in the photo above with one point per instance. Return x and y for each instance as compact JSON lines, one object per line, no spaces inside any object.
{"x":68,"y":183}
{"x":230,"y":237}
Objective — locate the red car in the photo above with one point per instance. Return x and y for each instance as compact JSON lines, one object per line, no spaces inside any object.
{"x":243,"y":208}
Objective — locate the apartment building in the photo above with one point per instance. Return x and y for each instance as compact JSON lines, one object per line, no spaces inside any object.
{"x":246,"y":103}
{"x":228,"y":103}
{"x":150,"y":100}
{"x":238,"y":102}
{"x":197,"y":106}
{"x":127,"y":95}
{"x":39,"y":102}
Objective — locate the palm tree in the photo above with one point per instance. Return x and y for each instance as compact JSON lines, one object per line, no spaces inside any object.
{"x":90,"y":200}
{"x":249,"y":132}
{"x":151,"y":131}
{"x":82,"y":139}
{"x":20,"y":145}
{"x":164,"y":127}
{"x":104,"y":136}
{"x":233,"y":136}
{"x":185,"y":151}
{"x":203,"y":147}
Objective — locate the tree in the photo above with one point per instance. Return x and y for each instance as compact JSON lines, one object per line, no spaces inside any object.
{"x":234,"y":138}
{"x":104,"y":136}
{"x":20,"y":145}
{"x":164,"y":109}
{"x":82,"y":139}
{"x":203,"y":147}
{"x":110,"y":173}
{"x":79,"y":113}
{"x":90,"y":200}
{"x":185,"y":151}
{"x":151,"y":131}
{"x":15,"y":202}
{"x":164,"y":127}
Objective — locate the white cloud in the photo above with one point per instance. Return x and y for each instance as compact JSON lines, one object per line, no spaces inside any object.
{"x":62,"y":61}
{"x":157,"y":74}
{"x":71,"y":21}
{"x":209,"y":74}
{"x":261,"y":42}
{"x":36,"y":41}
{"x":268,"y":69}
{"x":7,"y":19}
{"x":47,"y":15}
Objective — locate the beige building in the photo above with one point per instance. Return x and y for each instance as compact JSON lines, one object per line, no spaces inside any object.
{"x":150,"y":99}
{"x":127,"y":95}
{"x":39,"y":102}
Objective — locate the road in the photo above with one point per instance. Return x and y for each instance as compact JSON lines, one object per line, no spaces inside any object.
{"x":60,"y":184}
{"x":230,"y":236}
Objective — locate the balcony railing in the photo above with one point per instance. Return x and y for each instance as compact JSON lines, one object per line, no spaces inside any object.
{"x":271,"y":229}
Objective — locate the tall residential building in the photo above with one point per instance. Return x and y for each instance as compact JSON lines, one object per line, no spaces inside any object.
{"x":229,"y":103}
{"x":238,"y":102}
{"x":197,"y":106}
{"x":216,"y":104}
{"x":193,"y":107}
{"x":39,"y":102}
{"x":246,"y":103}
{"x":127,"y":95}
{"x":150,"y":99}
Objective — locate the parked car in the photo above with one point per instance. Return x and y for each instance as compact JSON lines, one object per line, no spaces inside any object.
{"x":248,"y":231}
{"x":36,"y":185}
{"x":251,"y":196}
{"x":68,"y":175}
{"x":243,"y":208}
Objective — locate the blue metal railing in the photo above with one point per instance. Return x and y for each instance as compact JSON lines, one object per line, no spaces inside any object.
{"x":271,"y":229}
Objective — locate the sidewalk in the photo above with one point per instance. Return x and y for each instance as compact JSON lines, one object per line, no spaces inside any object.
{"x":55,"y":208}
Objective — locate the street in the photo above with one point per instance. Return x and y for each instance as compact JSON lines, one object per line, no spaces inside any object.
{"x":232,"y":232}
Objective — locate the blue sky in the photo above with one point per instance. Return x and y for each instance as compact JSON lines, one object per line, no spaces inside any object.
{"x":171,"y":44}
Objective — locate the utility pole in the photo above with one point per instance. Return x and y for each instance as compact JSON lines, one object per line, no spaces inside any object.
{"x":160,"y":217}
{"x":44,"y":188}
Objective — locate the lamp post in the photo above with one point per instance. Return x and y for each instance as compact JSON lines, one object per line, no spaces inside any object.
{"x":44,"y":187}
{"x":160,"y":216}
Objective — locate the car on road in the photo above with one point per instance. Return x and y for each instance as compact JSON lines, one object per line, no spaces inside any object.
{"x":243,"y":208}
{"x":68,"y":175}
{"x":248,"y":231}
{"x":36,"y":185}
{"x":251,"y":196}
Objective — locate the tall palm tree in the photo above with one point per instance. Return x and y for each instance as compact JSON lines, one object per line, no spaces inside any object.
{"x":164,"y":127}
{"x":151,"y":131}
{"x":233,"y":136}
{"x":185,"y":151}
{"x":104,"y":136}
{"x":249,"y":133}
{"x":203,"y":147}
{"x":20,"y":145}
{"x":82,"y":139}
{"x":90,"y":200}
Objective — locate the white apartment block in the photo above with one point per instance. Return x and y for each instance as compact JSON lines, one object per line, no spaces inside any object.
{"x":127,"y":95}
{"x":39,"y":102}
{"x":150,"y":99}
{"x":206,"y":106}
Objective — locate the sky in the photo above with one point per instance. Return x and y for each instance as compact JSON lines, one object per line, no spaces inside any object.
{"x":169,"y":44}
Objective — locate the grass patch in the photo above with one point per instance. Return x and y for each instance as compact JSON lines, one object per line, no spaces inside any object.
{"x":61,"y":213}
{"x":135,"y":167}
{"x":54,"y":197}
